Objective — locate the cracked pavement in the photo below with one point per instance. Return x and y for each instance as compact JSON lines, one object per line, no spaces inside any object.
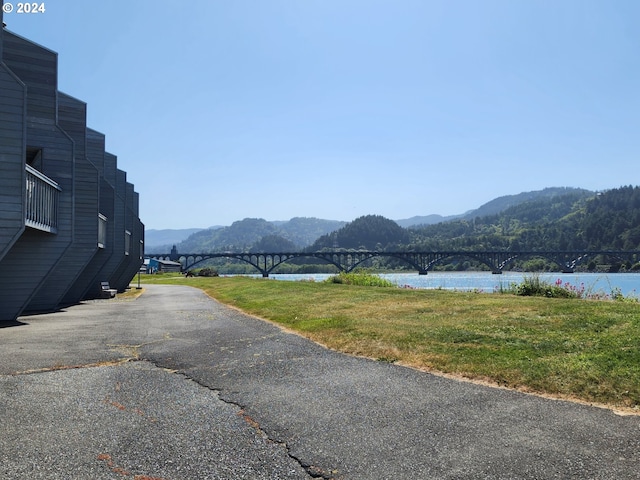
{"x":174,"y":385}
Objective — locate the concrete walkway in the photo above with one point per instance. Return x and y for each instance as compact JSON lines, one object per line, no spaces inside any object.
{"x":173,"y":385}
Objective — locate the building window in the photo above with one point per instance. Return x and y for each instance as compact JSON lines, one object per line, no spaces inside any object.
{"x":127,"y":242}
{"x":102,"y":231}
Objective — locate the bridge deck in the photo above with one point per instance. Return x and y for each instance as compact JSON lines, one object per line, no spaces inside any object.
{"x":346,"y":261}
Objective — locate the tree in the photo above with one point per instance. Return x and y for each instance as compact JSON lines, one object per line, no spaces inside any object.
{"x":273,"y":244}
{"x":368,"y":232}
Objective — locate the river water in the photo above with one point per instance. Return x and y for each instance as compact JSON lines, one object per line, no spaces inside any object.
{"x":591,"y":283}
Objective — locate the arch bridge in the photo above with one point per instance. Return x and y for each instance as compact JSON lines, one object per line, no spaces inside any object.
{"x":346,"y":261}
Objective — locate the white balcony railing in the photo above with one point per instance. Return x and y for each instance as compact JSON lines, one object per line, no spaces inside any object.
{"x":41,"y":203}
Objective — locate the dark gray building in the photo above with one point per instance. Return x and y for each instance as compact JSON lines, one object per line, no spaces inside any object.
{"x":69,"y":218}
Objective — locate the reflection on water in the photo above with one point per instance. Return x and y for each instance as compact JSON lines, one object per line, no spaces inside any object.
{"x":628,"y":283}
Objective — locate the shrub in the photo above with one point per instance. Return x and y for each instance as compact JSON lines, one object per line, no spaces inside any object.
{"x":618,"y":296}
{"x":207,"y":272}
{"x":534,"y":286}
{"x":362,"y":279}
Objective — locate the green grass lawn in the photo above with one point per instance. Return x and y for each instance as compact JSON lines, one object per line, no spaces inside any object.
{"x":570,"y":348}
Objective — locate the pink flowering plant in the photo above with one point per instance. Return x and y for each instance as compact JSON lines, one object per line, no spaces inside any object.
{"x":534,"y":286}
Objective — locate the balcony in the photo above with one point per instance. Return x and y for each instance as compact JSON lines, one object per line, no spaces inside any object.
{"x":41,"y":204}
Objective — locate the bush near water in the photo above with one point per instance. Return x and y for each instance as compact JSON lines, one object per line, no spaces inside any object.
{"x":361,"y":279}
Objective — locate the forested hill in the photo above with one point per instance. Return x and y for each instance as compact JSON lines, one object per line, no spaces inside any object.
{"x":495,"y":206}
{"x":574,"y":221}
{"x":257,"y":234}
{"x":500,"y":204}
{"x":371,"y":232}
{"x":569,"y":219}
{"x":558,"y":219}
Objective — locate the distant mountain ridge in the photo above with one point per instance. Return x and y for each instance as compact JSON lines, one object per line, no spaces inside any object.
{"x":501,"y":204}
{"x":162,"y":240}
{"x":493,"y":207}
{"x":576,"y":220}
{"x":425,"y":220}
{"x":301,"y":232}
{"x":296,"y":233}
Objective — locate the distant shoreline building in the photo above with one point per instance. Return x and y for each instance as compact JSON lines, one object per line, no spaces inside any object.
{"x":69,"y":218}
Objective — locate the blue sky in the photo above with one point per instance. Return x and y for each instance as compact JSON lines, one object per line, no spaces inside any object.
{"x":220,"y":110}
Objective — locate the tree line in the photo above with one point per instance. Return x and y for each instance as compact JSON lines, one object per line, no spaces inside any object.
{"x":572,"y":220}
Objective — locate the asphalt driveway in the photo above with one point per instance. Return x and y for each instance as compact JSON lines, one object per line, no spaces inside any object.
{"x":174,"y":385}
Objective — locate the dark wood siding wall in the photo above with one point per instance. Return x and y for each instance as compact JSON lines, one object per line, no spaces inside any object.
{"x":115,"y":225}
{"x":44,"y":270}
{"x":132,"y":260}
{"x":72,"y":117}
{"x":128,"y":227}
{"x":136,"y":256}
{"x":12,"y":158}
{"x":33,"y":256}
{"x":110,"y":168}
{"x":95,"y":144}
{"x":37,"y":67}
{"x":119,"y":223}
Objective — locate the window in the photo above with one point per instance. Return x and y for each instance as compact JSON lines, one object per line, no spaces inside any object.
{"x":127,"y":242}
{"x":102,"y":231}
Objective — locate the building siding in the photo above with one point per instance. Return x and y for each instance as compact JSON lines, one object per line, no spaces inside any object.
{"x":12,"y":161}
{"x":72,"y":118}
{"x":115,"y":227}
{"x":33,"y":256}
{"x":40,"y":126}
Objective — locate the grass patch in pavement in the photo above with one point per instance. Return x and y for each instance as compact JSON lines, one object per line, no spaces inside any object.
{"x":583,"y":349}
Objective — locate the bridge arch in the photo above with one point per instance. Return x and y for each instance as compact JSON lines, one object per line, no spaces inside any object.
{"x":265,"y":263}
{"x":204,"y":258}
{"x":567,"y":262}
{"x":482,"y":259}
